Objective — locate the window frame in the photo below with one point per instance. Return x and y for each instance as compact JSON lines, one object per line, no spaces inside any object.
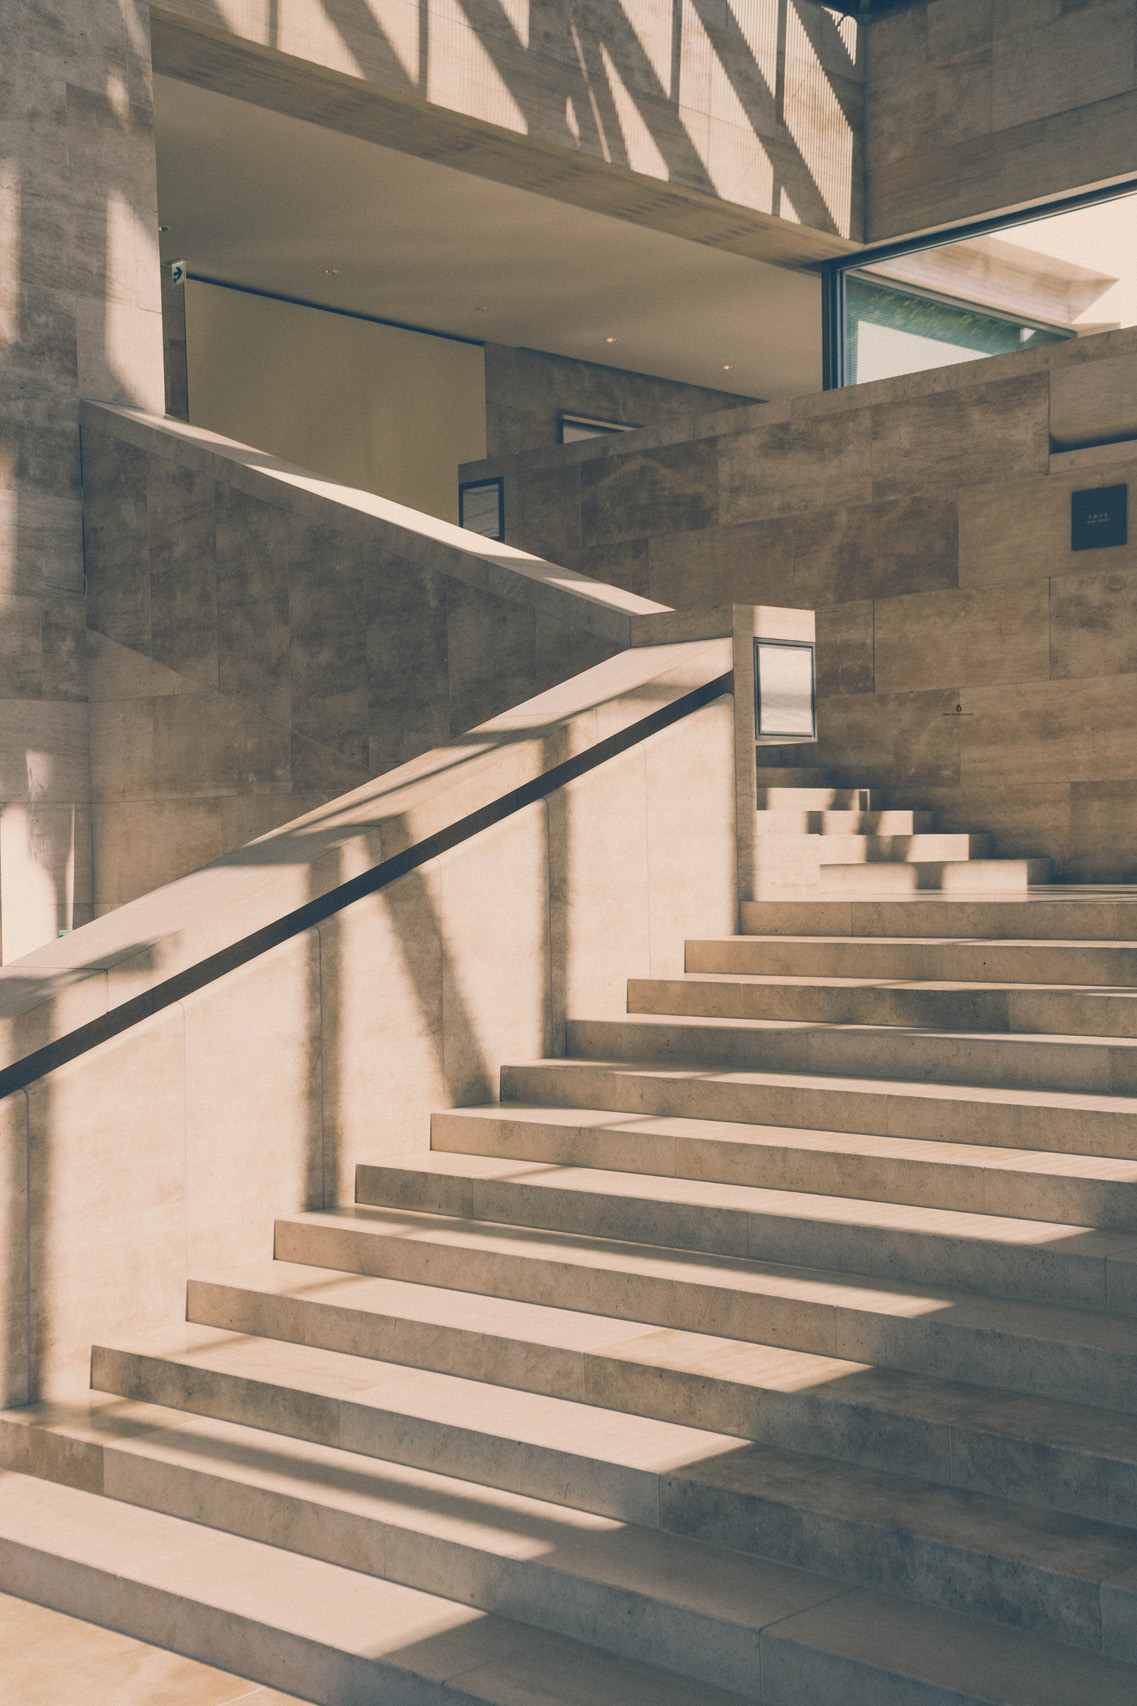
{"x":834,"y":272}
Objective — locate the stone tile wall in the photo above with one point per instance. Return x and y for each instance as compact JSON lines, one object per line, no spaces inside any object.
{"x":927,"y":520}
{"x":527,"y":391}
{"x":247,"y":663}
{"x":972,"y":106}
{"x":79,"y":315}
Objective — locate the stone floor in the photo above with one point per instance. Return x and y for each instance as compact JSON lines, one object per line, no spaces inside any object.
{"x":47,"y":1659}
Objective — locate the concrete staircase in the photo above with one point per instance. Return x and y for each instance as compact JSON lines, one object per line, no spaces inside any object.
{"x":778,"y":1344}
{"x":868,"y":849}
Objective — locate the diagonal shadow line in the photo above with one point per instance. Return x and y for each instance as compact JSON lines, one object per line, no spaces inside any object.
{"x":730,"y":47}
{"x":86,"y":1037}
{"x":614,"y":32}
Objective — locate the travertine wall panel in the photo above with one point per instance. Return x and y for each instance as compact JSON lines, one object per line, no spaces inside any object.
{"x":973,"y":106}
{"x":79,"y":315}
{"x":528,"y":390}
{"x":938,"y":639}
{"x":241,"y":652}
{"x":926,"y":520}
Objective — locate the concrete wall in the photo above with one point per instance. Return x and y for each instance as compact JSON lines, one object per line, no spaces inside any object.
{"x":736,"y":124}
{"x":527,"y":391}
{"x":254,"y":652}
{"x":79,"y":315}
{"x":973,"y":106}
{"x":168,"y":1151}
{"x":927,"y":520}
{"x":371,"y":406}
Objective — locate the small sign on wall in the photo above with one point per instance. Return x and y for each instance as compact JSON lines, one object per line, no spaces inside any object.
{"x":1099,"y":517}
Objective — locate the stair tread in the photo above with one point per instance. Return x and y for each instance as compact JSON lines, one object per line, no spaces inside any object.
{"x":1079,"y":1100}
{"x":758,"y":1200}
{"x":1055,"y":1163}
{"x":705,"y":1023}
{"x":833,"y":1382}
{"x":825,"y":980}
{"x":353,"y":1229}
{"x":400,"y":1638}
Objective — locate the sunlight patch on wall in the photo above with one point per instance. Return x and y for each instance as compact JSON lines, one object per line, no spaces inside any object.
{"x":399,"y":23}
{"x":652,"y":26}
{"x":817,"y":123}
{"x":461,"y":74}
{"x":9,"y":252}
{"x":641,"y":152}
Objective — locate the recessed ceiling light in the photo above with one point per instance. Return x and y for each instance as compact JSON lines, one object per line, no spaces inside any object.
{"x":330,"y":272}
{"x":609,"y":340}
{"x":726,"y":366}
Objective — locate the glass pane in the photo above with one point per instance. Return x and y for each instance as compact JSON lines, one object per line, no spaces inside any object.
{"x":783,"y":688}
{"x":1068,"y":275}
{"x":480,"y":508}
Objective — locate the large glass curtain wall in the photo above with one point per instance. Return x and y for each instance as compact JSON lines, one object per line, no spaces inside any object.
{"x":1066,"y":274}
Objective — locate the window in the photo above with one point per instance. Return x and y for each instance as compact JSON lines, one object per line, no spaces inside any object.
{"x":1003,"y":285}
{"x":572,"y":428}
{"x":481,"y":507}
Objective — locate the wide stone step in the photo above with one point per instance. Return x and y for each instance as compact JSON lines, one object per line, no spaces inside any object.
{"x":839,"y":848}
{"x":820,"y":799}
{"x":1085,"y":1190}
{"x":1055,"y":1010}
{"x":1099,"y":1066}
{"x":1059,"y":916}
{"x":296,"y":1623}
{"x":1071,"y":1266}
{"x":939,"y":958}
{"x":738,"y":1547}
{"x":610,"y":1461}
{"x":345,"y":1638}
{"x":648,"y":1596}
{"x":859,"y":823}
{"x":952,"y":1113}
{"x":1051,"y":1352}
{"x":890,"y":875}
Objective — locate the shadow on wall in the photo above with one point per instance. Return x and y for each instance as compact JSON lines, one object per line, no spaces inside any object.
{"x":779,"y":81}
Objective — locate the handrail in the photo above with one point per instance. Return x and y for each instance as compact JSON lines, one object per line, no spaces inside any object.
{"x":124,"y":1016}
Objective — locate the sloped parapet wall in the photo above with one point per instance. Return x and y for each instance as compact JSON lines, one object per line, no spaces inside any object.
{"x":225,"y":1050}
{"x":261,"y":639}
{"x":927,"y":520}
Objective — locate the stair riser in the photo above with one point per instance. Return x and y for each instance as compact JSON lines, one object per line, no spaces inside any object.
{"x":1053,"y":1014}
{"x":531,"y":1589}
{"x":836,"y":1419}
{"x":900,"y":1112}
{"x":797,"y":820}
{"x":945,"y":962}
{"x":882,"y":880}
{"x":1032,"y":1273}
{"x":819,"y":800}
{"x":896,"y":849}
{"x":1024,"y":920}
{"x":782,"y":1166}
{"x":930,"y":1343}
{"x":1015,"y":1063}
